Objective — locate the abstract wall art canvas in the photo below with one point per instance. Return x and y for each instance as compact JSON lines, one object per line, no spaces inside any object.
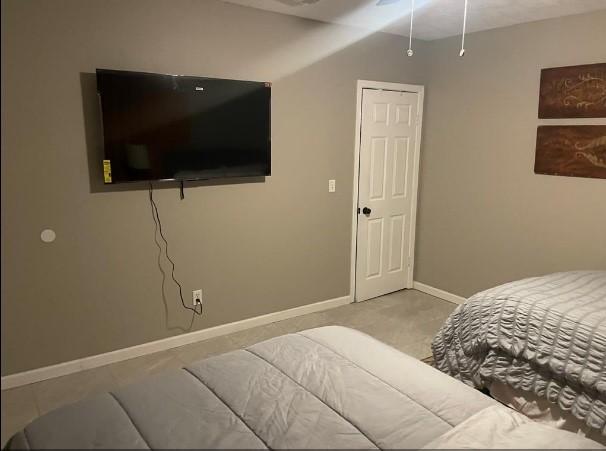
{"x":573,"y":92}
{"x":571,"y":150}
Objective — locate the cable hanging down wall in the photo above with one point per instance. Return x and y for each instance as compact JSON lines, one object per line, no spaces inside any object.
{"x":158,"y":223}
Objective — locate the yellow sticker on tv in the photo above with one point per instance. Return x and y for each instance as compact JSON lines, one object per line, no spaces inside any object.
{"x":107,"y":171}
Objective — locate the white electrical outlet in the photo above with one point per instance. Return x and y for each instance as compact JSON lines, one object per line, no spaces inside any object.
{"x":332,"y":187}
{"x":196,"y":297}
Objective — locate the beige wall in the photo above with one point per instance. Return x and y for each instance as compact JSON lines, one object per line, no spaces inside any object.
{"x":253,"y":248}
{"x":484,"y":217}
{"x":264,"y":246}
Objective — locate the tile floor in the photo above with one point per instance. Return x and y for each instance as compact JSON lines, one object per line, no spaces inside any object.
{"x":406,"y":320}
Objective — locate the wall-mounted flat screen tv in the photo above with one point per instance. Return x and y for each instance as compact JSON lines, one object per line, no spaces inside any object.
{"x":174,"y":127}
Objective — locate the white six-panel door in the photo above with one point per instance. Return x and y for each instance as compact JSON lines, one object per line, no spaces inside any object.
{"x":385,"y":192}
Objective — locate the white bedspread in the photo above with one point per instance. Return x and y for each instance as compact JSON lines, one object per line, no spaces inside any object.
{"x":500,"y":428}
{"x":545,"y":335}
{"x":325,"y":388}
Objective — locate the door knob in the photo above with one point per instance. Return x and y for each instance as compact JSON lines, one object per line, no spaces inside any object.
{"x":366,"y":210}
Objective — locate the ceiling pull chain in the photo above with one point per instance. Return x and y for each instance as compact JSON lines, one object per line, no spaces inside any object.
{"x":462,"y":52}
{"x":412,"y":12}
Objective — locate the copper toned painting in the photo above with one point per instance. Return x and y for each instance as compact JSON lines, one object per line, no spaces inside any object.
{"x":572,"y":150}
{"x":573,"y":91}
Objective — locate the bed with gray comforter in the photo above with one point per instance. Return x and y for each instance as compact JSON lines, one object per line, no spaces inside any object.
{"x":323,"y":388}
{"x":544,"y":335}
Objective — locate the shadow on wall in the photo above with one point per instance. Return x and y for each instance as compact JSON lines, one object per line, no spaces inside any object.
{"x":93,"y":131}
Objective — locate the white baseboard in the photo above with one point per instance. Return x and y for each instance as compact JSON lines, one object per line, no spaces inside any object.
{"x":73,"y":366}
{"x":445,"y":295}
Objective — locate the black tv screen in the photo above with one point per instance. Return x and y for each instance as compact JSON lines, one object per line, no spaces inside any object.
{"x":173,"y":127}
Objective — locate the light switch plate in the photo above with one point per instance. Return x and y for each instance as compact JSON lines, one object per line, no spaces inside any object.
{"x":332,"y":187}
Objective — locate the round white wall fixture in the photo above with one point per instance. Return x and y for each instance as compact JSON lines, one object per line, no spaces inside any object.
{"x":48,"y":235}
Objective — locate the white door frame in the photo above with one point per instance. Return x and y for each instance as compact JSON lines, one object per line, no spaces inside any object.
{"x":385,"y":86}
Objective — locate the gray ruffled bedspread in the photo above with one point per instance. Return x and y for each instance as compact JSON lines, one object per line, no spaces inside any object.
{"x":545,"y":335}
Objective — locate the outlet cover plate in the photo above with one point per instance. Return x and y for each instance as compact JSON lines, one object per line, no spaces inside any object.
{"x":196,"y":297}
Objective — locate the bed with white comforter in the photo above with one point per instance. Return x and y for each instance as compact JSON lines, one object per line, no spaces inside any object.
{"x":545,"y":336}
{"x":330,"y":387}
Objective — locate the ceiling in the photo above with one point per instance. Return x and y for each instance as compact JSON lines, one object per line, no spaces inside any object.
{"x":433,"y":19}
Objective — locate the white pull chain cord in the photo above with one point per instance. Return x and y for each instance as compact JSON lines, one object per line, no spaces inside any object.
{"x":462,"y":52}
{"x":412,"y":12}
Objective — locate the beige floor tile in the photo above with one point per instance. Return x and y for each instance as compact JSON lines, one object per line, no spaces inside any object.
{"x":418,"y":350}
{"x":356,"y":316}
{"x":59,"y":391}
{"x":249,"y":337}
{"x":18,"y":410}
{"x":419,"y":310}
{"x":198,"y":351}
{"x":400,"y":333}
{"x":298,"y":323}
{"x":129,"y":371}
{"x":410,"y":298}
